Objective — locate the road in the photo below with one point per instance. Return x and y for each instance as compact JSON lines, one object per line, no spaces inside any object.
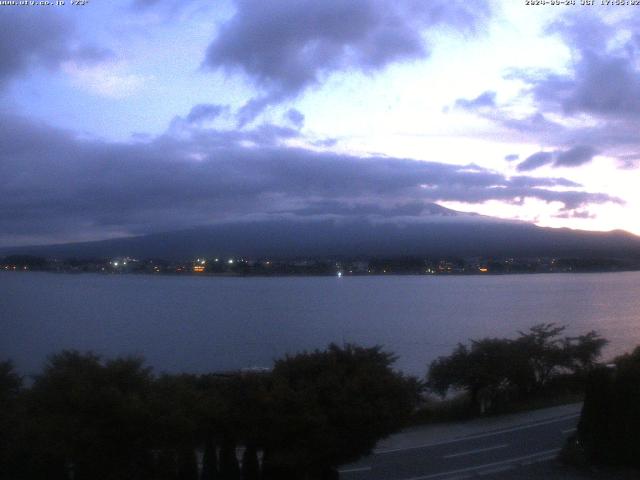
{"x":521,"y":442}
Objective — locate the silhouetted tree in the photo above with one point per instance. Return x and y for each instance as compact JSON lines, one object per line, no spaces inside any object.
{"x":494,"y":370}
{"x":583,"y":351}
{"x":11,"y":416}
{"x":544,"y":349}
{"x":231,"y":413}
{"x":609,"y":427}
{"x":490,"y":371}
{"x":331,"y":407}
{"x":91,"y":417}
{"x":175,"y":404}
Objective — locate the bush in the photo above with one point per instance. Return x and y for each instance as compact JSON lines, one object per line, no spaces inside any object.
{"x":94,"y":419}
{"x":331,"y":407}
{"x":609,"y":427}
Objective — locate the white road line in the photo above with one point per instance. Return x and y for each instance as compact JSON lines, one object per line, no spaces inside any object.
{"x":487,"y":465}
{"x":568,"y":430}
{"x":358,"y":469}
{"x":479,"y":435}
{"x":478,"y":450}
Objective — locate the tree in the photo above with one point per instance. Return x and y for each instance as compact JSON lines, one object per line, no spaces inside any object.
{"x":231,"y":412}
{"x":91,"y":418}
{"x":494,"y":370}
{"x":490,"y":371}
{"x":331,"y":407}
{"x":11,"y":415}
{"x":583,"y":351}
{"x":544,"y":349}
{"x":176,"y":403}
{"x":609,"y":427}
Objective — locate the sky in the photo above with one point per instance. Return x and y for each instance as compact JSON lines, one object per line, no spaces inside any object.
{"x":130,"y":117}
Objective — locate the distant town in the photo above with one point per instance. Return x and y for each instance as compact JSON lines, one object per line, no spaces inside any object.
{"x":240,"y":266}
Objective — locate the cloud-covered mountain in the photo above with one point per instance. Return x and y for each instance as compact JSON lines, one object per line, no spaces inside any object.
{"x":305,"y":112}
{"x":56,"y":187}
{"x":444,"y":233}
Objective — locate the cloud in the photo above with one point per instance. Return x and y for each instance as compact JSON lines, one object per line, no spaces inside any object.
{"x":536,"y":160}
{"x":359,"y":209}
{"x":596,"y":93}
{"x":144,"y":4}
{"x":295,"y":117}
{"x":594,"y":86}
{"x":205,"y":111}
{"x":56,"y":186}
{"x":151,"y":13}
{"x":105,"y":79}
{"x":576,"y":156}
{"x":580,"y":214}
{"x":21,"y":48}
{"x":31,"y":37}
{"x":484,"y":100}
{"x":512,"y":157}
{"x":591,"y":101}
{"x":605,"y":78}
{"x":572,"y":157}
{"x":287,"y":46}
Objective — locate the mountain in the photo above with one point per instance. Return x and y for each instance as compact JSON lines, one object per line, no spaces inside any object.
{"x":444,"y":233}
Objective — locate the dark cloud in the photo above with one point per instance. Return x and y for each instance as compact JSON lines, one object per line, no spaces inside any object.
{"x":359,"y":209}
{"x":583,"y":32}
{"x":295,"y":117}
{"x":572,"y":157}
{"x":90,"y":54}
{"x":592,"y":101}
{"x":29,"y":36}
{"x":205,"y":111}
{"x":144,"y":4}
{"x":286,"y":46}
{"x":55,"y":186}
{"x":484,"y":100}
{"x":576,"y":156}
{"x":605,"y":78}
{"x":600,"y":84}
{"x":536,"y":124}
{"x":512,"y":157}
{"x":40,"y":37}
{"x":171,"y":11}
{"x":526,"y":181}
{"x":325,"y":142}
{"x":536,"y":160}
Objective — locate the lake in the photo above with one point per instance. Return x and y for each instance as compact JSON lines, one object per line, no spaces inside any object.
{"x":199,"y":324}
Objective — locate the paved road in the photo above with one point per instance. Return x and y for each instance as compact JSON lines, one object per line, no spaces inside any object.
{"x":481,"y":453}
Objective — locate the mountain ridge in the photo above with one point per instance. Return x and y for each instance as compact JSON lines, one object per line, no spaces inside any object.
{"x":355,"y":237}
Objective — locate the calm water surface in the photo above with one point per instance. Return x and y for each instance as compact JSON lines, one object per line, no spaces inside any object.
{"x":200,"y":324}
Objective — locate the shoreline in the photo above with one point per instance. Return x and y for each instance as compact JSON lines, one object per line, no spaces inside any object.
{"x":316,"y":275}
